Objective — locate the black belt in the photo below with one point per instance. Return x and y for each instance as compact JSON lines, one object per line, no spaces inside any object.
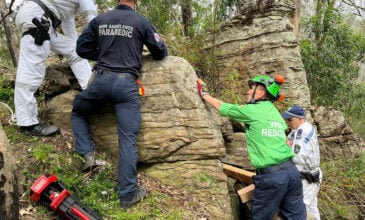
{"x":274,"y":168}
{"x":120,"y":75}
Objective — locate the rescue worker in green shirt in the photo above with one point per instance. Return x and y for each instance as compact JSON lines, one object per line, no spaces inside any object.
{"x":278,"y":185}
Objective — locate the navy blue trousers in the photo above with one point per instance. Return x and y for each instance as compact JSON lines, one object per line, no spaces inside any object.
{"x":278,"y":190}
{"x":122,"y":91}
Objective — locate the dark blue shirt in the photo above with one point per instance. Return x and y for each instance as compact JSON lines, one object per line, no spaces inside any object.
{"x":115,"y":40}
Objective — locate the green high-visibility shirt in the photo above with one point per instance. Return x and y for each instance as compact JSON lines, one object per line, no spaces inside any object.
{"x":265,"y":132}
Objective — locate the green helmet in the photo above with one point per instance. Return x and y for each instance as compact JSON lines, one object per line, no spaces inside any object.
{"x":272,"y":84}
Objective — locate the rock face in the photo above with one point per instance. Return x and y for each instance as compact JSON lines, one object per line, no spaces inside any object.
{"x":336,"y":137}
{"x":176,"y":125}
{"x":180,"y":140}
{"x":9,"y":195}
{"x":260,"y":41}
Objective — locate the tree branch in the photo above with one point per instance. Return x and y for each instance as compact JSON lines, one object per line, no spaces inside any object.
{"x":353,"y":4}
{"x":10,"y":10}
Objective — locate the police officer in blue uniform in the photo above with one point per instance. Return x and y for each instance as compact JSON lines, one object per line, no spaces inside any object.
{"x":115,"y":41}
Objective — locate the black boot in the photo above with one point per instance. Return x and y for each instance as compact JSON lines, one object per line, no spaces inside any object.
{"x":139,"y":194}
{"x":40,"y":130}
{"x":89,"y":162}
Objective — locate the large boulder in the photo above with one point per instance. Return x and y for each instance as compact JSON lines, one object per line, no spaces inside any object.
{"x":9,"y":193}
{"x":180,"y":140}
{"x":336,"y":138}
{"x":176,"y":125}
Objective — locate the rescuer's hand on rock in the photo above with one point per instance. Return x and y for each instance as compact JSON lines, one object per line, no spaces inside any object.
{"x":202,"y":88}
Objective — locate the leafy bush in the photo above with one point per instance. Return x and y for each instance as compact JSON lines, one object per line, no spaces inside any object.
{"x":331,"y":53}
{"x":6,"y":90}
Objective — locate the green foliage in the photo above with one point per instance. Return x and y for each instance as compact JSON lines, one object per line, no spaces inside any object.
{"x":6,"y":90}
{"x":354,"y":109}
{"x":346,"y":173}
{"x":331,"y":54}
{"x":330,"y":60}
{"x":105,"y":4}
{"x":344,"y":176}
{"x":5,"y":56}
{"x":206,"y":16}
{"x":234,"y":93}
{"x":40,"y":155}
{"x":166,"y":17}
{"x":42,"y":151}
{"x":161,"y":13}
{"x":222,"y":6}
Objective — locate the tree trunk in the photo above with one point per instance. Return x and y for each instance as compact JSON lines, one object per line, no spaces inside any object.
{"x":9,"y":195}
{"x":296,"y":17}
{"x":9,"y":38}
{"x":186,"y":16}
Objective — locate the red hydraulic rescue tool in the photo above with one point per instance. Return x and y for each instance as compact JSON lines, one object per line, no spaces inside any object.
{"x":50,"y":193}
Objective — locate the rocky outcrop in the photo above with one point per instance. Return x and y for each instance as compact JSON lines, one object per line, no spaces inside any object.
{"x":260,"y":41}
{"x":337,"y":139}
{"x":176,"y":125}
{"x":181,"y":138}
{"x":180,"y":141}
{"x":9,"y":192}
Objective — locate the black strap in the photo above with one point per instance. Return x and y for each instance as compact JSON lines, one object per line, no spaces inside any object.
{"x":253,"y":100}
{"x":55,"y":21}
{"x":30,"y":31}
{"x":311,"y":178}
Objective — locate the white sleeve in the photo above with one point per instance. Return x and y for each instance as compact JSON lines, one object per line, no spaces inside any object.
{"x":69,"y":28}
{"x":88,"y":9}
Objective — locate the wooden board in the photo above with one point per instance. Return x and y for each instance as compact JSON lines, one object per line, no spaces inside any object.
{"x":241,"y":175}
{"x":246,"y":193}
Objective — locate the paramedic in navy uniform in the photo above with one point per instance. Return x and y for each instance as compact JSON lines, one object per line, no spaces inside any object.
{"x":115,"y":41}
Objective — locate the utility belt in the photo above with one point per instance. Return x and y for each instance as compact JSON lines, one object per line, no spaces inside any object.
{"x":274,"y":168}
{"x":311,"y":178}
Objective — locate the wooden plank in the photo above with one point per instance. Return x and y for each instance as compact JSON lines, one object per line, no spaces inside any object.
{"x":241,"y":175}
{"x":246,"y":193}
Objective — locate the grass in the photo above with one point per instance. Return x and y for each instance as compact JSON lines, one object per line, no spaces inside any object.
{"x":346,"y":173}
{"x":40,"y":155}
{"x":343,"y":187}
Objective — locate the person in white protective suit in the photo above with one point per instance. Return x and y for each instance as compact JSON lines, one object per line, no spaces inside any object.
{"x":303,"y":140}
{"x":37,"y":20}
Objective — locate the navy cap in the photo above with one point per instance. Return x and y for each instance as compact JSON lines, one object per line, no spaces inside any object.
{"x":294,"y":111}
